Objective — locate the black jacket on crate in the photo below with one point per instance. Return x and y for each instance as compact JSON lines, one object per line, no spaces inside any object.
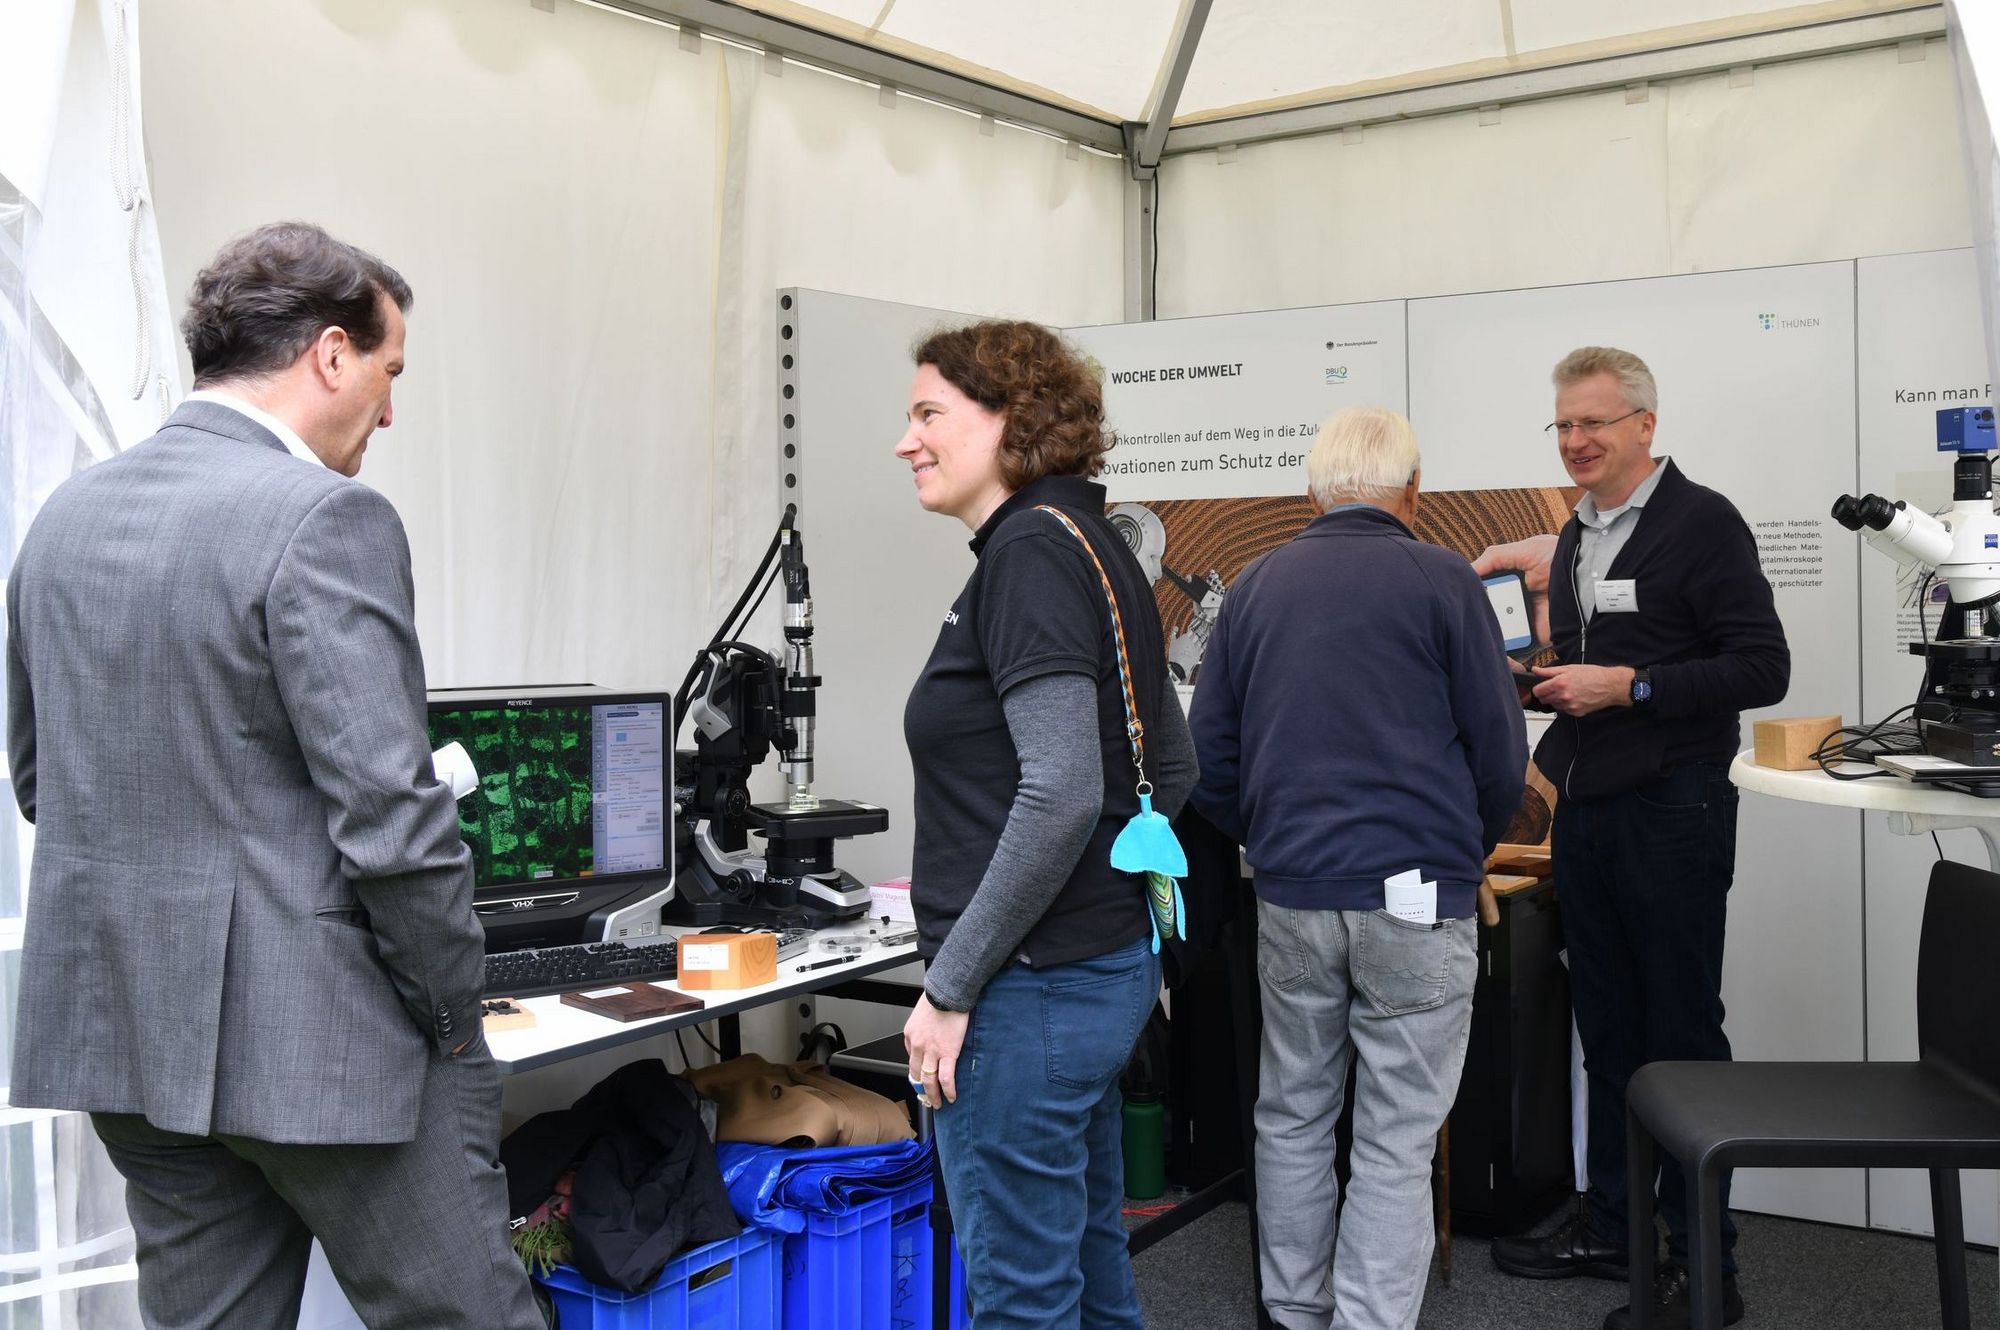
{"x":647,"y":1185}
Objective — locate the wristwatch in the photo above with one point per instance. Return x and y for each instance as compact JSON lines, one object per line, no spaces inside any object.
{"x":1642,"y":687}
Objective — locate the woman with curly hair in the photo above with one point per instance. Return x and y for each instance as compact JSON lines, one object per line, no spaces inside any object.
{"x":1042,"y":961}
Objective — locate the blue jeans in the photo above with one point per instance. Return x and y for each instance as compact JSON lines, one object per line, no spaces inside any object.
{"x":1643,"y":879}
{"x":1032,"y":1147}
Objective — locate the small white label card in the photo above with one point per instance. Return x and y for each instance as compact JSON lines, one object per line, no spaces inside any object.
{"x":713,"y":956}
{"x":1409,"y":898}
{"x":1618,"y":596}
{"x":606,"y":992}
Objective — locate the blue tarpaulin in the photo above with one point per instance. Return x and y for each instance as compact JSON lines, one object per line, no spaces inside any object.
{"x":773,"y":1187}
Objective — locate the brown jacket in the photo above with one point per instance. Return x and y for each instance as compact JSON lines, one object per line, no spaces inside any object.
{"x":797,"y":1104}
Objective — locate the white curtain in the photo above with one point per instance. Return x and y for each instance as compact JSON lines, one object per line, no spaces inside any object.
{"x":86,"y":367}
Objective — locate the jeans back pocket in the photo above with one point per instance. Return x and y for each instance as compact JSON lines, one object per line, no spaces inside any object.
{"x":1403,"y":967}
{"x":1091,"y":1022}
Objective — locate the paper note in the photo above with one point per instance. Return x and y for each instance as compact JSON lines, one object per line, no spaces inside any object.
{"x":606,"y":992}
{"x":1409,"y":898}
{"x":700,"y":956}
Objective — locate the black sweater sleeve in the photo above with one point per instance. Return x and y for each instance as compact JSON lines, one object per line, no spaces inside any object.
{"x":1747,"y":663}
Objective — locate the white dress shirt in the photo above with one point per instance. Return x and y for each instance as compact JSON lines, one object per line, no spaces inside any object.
{"x":1604,"y":534}
{"x":286,"y":434}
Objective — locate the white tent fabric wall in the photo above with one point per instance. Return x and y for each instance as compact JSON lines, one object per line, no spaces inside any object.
{"x":1826,"y":158}
{"x":1105,"y":59}
{"x":595,"y":221}
{"x":86,"y":367}
{"x":1975,"y":47}
{"x":913,"y":204}
{"x":547,"y":183}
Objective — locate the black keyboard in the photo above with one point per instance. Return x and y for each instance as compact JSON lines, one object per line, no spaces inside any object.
{"x":586,"y":965}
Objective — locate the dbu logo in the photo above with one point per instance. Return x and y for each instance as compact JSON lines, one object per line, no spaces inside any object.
{"x":1337,"y":374}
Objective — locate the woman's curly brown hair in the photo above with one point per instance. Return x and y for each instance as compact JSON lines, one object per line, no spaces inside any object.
{"x":1051,"y":399}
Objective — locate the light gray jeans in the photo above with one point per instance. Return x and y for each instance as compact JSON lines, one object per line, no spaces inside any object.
{"x":1337,"y":984}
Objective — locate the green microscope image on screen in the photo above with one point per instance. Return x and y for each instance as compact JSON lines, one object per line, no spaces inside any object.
{"x":530,"y":818}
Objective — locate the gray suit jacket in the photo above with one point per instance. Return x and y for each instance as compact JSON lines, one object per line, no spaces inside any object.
{"x":250,"y":909}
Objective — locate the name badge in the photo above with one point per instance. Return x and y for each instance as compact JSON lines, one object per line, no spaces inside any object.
{"x":1618,"y":597}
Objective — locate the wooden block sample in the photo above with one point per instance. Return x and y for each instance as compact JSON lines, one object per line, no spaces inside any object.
{"x":1506,"y":884}
{"x":711,"y":961}
{"x":632,"y":1002}
{"x":1787,"y":744}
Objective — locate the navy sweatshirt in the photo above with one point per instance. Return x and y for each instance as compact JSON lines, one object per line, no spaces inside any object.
{"x":1355,"y":718}
{"x":1705,"y":627}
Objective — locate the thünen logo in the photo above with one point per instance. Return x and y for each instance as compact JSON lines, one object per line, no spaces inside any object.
{"x":1776,"y":323}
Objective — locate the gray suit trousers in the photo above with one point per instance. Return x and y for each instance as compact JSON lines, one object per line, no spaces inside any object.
{"x":412,"y":1232}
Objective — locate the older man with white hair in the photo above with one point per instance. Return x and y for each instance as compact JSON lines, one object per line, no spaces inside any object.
{"x":1355,"y":724}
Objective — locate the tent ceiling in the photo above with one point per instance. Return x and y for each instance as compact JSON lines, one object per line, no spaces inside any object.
{"x":1104,"y":58}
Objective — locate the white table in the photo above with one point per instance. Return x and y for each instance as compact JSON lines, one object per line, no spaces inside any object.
{"x":1913,"y":809}
{"x":560,"y":1033}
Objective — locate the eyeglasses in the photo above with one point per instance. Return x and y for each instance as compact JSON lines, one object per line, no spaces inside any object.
{"x":1563,"y":427}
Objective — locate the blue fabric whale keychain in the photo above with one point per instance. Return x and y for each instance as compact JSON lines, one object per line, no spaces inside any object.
{"x":1146,"y":844}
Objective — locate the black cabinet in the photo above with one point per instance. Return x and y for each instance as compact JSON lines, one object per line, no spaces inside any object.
{"x":1510,"y":1131}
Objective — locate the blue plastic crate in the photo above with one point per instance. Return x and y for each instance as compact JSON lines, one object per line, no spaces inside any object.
{"x":869,"y":1269}
{"x":726,"y":1285}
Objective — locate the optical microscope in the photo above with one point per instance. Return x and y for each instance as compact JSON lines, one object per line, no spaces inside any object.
{"x":1958,"y":713}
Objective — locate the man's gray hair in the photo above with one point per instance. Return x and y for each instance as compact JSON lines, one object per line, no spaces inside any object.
{"x":1363,"y":454}
{"x":1635,"y":381}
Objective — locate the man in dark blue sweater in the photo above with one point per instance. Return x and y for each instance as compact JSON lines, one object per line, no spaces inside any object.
{"x":1355,"y":722}
{"x":1665,"y":630}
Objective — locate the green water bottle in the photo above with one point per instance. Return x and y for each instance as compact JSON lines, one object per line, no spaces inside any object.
{"x":1145,"y":1146}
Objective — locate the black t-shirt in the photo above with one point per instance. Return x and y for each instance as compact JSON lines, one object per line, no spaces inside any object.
{"x":1033,"y":606}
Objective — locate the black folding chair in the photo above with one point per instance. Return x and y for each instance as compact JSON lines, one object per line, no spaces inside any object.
{"x":1941,"y":1112}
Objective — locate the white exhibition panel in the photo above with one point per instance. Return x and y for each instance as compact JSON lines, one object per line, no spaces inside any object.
{"x":884,"y":571}
{"x":1226,"y":407}
{"x":1920,"y":350}
{"x":1756,"y":377}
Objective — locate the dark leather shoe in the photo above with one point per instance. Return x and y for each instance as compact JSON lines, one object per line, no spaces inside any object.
{"x":1670,"y":1302}
{"x":1572,"y":1249}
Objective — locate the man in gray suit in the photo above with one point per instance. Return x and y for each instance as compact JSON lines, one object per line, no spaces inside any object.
{"x":251,"y":953}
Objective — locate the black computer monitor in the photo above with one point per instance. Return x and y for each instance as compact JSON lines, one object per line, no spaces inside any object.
{"x":571,"y":828}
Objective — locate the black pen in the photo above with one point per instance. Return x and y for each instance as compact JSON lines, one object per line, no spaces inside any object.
{"x":821,"y":965}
